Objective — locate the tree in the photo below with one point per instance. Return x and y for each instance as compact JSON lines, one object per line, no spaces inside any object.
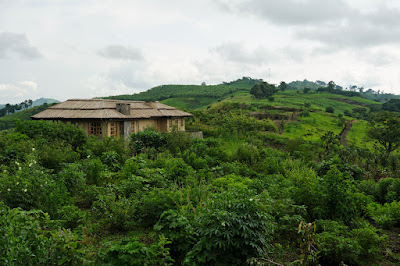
{"x":385,"y":129}
{"x":306,"y":90}
{"x":283,"y":86}
{"x":329,"y":109}
{"x":263,"y":90}
{"x":331,"y":85}
{"x":392,"y":105}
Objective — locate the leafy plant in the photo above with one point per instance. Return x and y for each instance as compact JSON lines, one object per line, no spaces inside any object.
{"x":232,"y":228}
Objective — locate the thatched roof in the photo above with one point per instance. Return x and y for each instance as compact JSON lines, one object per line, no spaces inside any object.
{"x":107,"y":109}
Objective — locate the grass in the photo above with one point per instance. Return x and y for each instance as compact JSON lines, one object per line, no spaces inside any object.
{"x":189,"y":103}
{"x":358,"y":135}
{"x":318,"y":101}
{"x":312,"y":128}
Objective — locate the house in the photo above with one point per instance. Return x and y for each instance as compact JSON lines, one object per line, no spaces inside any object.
{"x":113,"y":118}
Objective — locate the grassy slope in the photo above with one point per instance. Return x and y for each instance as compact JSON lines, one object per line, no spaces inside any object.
{"x":191,"y":96}
{"x":319,"y":122}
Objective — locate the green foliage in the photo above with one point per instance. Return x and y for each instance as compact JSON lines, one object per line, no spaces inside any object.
{"x":73,"y":177}
{"x":392,"y":105}
{"x":129,"y":251}
{"x":172,"y":91}
{"x":232,"y":228}
{"x":31,"y":238}
{"x":330,"y":109}
{"x":9,"y":121}
{"x":385,"y":129}
{"x":29,"y":186}
{"x":146,"y":139}
{"x":115,"y":213}
{"x":263,"y":90}
{"x":338,"y":243}
{"x":304,"y":114}
{"x":47,"y":130}
{"x":247,"y":153}
{"x":93,"y":169}
{"x":177,"y":229}
{"x":386,"y":215}
{"x":52,"y":155}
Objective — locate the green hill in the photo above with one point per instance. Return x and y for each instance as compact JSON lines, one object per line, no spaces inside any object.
{"x":191,"y":96}
{"x":8,"y":121}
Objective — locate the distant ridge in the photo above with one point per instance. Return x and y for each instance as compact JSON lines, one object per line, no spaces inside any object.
{"x":38,"y":102}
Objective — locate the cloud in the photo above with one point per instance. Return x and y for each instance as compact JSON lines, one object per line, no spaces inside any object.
{"x":21,"y":91}
{"x":17,"y":44}
{"x":121,"y":52}
{"x":289,"y":12}
{"x":335,"y":23}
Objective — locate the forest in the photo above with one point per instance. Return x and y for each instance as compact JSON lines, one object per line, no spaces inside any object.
{"x":271,"y":183}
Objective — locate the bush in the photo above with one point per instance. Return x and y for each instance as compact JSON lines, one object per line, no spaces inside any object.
{"x":146,"y":139}
{"x":232,"y":228}
{"x":53,"y":155}
{"x":330,"y":109}
{"x":31,"y":187}
{"x":115,"y":213}
{"x":247,"y":153}
{"x":305,"y":114}
{"x":48,"y":130}
{"x":177,"y":229}
{"x":31,"y":238}
{"x":129,"y":251}
{"x":386,"y":215}
{"x":338,"y":243}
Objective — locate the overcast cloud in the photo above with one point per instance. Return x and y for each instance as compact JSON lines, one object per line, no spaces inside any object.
{"x":81,"y":49}
{"x":17,"y":44}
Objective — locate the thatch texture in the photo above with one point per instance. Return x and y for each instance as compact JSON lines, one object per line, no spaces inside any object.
{"x":107,"y":109}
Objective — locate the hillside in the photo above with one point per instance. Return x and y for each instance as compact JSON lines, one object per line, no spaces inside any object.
{"x":272,"y":181}
{"x":42,"y":101}
{"x":191,"y":96}
{"x":8,"y":121}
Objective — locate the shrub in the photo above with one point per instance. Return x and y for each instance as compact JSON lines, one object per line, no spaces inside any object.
{"x":247,"y":153}
{"x":115,"y":213}
{"x":31,"y":187}
{"x":53,"y":155}
{"x":330,"y":109}
{"x":232,"y":228}
{"x":93,"y":169}
{"x":112,"y":160}
{"x":177,"y":229}
{"x":146,"y":139}
{"x":73,"y":177}
{"x":338,"y":243}
{"x":50,"y":131}
{"x":386,"y":215}
{"x":129,"y":251}
{"x":305,"y":114}
{"x":31,"y":238}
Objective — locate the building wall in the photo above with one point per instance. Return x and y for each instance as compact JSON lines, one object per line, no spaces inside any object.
{"x":175,"y":123}
{"x":146,"y":123}
{"x":133,"y":126}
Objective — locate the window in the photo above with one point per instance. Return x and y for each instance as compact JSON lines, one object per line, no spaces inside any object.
{"x":95,"y":129}
{"x":182,"y":122}
{"x":113,"y":129}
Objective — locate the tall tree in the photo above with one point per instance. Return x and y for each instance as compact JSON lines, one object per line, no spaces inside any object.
{"x":385,"y":129}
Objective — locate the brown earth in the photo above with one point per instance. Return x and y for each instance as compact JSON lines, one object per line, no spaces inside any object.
{"x":344,"y":132}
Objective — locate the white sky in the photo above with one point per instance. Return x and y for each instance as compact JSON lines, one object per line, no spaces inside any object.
{"x":86,"y":48}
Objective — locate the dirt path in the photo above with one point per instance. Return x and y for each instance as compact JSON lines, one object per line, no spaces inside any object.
{"x":344,"y":132}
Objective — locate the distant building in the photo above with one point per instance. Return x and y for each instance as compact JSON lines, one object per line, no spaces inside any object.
{"x":114,"y":118}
